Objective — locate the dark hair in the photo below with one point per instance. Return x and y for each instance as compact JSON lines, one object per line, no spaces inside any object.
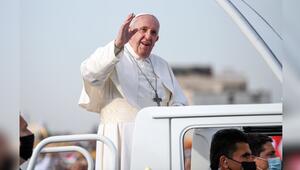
{"x":256,"y":142}
{"x":224,"y":143}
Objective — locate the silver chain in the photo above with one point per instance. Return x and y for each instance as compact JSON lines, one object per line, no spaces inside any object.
{"x":154,"y":89}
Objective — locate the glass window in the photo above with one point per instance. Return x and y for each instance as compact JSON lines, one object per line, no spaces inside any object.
{"x":197,"y":141}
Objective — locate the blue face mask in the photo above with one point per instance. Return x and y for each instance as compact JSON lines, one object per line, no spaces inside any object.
{"x":274,"y":163}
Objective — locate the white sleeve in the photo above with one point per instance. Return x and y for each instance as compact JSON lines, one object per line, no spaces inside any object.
{"x":97,"y":68}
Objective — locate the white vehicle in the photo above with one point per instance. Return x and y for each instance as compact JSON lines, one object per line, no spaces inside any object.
{"x":158,"y":139}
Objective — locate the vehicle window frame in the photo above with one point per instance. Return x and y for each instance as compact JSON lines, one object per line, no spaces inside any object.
{"x":190,"y":127}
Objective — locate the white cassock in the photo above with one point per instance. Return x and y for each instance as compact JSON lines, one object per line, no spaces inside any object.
{"x":115,"y":87}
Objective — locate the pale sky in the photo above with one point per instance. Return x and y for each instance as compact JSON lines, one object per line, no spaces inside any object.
{"x":56,"y":36}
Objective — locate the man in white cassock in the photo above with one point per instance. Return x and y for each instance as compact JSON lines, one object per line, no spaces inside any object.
{"x":123,"y":77}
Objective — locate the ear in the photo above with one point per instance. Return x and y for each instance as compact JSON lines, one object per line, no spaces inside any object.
{"x":157,"y":39}
{"x":223,"y":164}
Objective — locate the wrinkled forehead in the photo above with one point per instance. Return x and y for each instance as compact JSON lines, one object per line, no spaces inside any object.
{"x":144,"y":16}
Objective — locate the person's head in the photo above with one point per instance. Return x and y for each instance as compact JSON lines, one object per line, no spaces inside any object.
{"x":261,"y":145}
{"x":143,"y":41}
{"x":262,"y":148}
{"x":230,"y":150}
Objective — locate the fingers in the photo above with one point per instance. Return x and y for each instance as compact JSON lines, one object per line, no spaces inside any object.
{"x":125,"y":33}
{"x":129,"y":19}
{"x":130,"y":16}
{"x":125,"y":27}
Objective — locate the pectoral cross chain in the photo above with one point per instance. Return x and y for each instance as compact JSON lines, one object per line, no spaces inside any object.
{"x":157,"y":99}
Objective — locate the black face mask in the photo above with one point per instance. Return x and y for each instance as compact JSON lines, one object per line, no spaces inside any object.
{"x":26,"y":146}
{"x":246,"y":165}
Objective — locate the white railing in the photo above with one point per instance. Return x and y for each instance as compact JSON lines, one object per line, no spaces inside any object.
{"x":72,"y":138}
{"x":83,"y":151}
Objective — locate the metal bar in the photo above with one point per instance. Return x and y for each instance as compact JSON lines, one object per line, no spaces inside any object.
{"x":72,"y":138}
{"x":83,"y":151}
{"x":253,"y":37}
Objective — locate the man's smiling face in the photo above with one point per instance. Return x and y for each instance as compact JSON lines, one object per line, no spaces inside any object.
{"x":146,"y":36}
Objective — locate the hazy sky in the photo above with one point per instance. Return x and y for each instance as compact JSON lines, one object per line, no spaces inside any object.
{"x":56,"y":36}
{"x":9,"y":68}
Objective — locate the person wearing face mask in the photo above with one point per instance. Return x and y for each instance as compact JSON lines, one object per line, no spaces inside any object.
{"x":123,"y":77}
{"x":26,"y":141}
{"x":230,"y":151}
{"x":264,"y":152}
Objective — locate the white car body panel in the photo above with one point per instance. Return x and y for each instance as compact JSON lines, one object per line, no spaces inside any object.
{"x":158,"y":133}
